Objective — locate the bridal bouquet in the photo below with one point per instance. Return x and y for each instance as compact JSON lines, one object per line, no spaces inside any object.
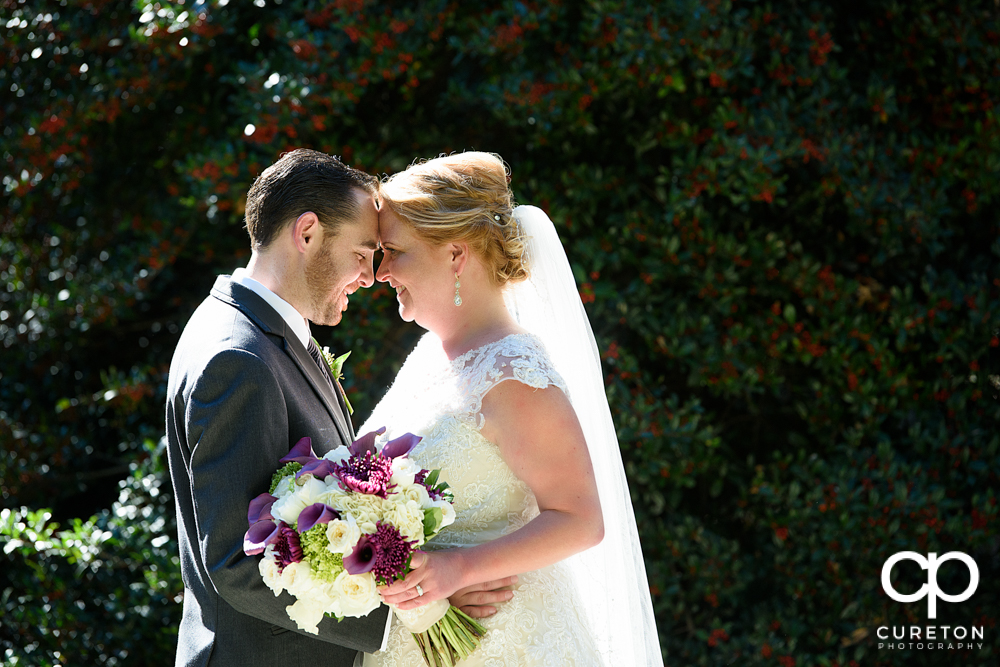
{"x":332,"y":529}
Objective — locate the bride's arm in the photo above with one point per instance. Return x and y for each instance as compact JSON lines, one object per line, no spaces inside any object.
{"x":540,"y":438}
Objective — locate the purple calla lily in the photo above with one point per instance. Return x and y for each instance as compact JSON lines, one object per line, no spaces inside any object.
{"x":315,"y":514}
{"x":302,"y":452}
{"x":260,"y":508}
{"x":258,"y":536}
{"x":319,"y":469}
{"x":365,"y":443}
{"x":385,"y":554}
{"x":401,"y":446}
{"x":362,"y":559}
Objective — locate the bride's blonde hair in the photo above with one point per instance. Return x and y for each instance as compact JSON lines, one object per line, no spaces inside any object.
{"x":462,"y":197}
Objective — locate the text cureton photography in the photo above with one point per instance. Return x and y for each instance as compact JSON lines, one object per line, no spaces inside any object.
{"x":930,"y":637}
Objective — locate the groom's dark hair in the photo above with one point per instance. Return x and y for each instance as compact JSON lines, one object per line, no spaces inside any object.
{"x":301,"y":181}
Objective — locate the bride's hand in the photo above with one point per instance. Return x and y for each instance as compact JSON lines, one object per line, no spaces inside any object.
{"x":438,"y":574}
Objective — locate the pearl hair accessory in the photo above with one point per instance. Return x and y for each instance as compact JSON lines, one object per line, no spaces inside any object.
{"x":496,"y":216}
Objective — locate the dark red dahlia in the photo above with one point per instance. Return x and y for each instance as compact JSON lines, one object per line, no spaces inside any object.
{"x":391,"y":552}
{"x":367,"y":473}
{"x":287,"y":548}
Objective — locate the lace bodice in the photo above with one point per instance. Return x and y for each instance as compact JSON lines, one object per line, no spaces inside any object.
{"x":442,"y":401}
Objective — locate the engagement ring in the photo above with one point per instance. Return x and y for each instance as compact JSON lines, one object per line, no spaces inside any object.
{"x":420,"y":591}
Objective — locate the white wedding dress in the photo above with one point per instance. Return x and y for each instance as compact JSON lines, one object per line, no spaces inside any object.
{"x":441,"y":400}
{"x":593,"y":608}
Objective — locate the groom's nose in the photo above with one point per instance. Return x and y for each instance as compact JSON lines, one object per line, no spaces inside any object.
{"x":367,"y":278}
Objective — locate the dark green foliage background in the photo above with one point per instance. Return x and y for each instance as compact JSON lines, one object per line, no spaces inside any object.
{"x":781,"y":215}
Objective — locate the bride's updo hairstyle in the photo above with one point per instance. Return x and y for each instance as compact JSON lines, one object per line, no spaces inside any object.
{"x":462,"y":198}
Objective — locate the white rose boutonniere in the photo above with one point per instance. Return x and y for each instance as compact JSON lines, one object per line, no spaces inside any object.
{"x":336,"y":365}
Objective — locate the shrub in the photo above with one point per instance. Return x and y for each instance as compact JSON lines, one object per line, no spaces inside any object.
{"x":780,"y":218}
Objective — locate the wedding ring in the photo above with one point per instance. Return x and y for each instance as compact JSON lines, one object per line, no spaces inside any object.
{"x":420,"y":591}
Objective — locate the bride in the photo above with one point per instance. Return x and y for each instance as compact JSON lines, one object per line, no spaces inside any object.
{"x":534,"y":463}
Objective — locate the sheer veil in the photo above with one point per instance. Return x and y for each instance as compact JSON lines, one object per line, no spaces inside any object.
{"x":611,"y":577}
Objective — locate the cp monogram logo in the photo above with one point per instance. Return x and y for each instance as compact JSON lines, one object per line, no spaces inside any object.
{"x":930,"y":589}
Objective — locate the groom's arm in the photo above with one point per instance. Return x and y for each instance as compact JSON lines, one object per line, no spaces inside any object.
{"x":236,"y":421}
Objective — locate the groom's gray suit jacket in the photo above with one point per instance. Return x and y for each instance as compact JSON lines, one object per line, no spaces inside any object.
{"x":242,"y":390}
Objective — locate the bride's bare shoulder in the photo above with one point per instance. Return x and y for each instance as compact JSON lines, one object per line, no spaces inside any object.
{"x":515,"y":411}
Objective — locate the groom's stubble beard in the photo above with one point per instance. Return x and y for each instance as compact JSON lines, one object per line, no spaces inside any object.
{"x":321,"y":280}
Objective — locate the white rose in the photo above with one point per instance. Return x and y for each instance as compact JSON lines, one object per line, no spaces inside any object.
{"x":404,"y":471}
{"x":333,"y":603}
{"x":297,"y":579}
{"x":342,"y":535}
{"x":307,"y":614}
{"x":289,"y":507}
{"x":447,"y":512}
{"x":337,"y":455}
{"x":285,"y":487}
{"x":271,"y":575}
{"x":418,"y":494}
{"x":356,"y":593}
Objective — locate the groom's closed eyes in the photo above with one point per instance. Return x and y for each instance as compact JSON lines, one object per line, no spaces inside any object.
{"x":368,"y":246}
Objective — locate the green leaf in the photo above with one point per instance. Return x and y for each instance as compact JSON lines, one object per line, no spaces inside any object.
{"x":433,"y":518}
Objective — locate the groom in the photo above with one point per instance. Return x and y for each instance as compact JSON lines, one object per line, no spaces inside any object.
{"x":246,"y":382}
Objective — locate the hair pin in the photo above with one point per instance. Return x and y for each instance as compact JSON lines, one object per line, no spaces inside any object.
{"x":496,"y":216}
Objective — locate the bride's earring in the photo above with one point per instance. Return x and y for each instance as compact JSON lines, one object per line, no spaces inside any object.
{"x":458,"y":298}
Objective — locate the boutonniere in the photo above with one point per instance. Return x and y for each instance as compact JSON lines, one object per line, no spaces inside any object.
{"x":336,"y":365}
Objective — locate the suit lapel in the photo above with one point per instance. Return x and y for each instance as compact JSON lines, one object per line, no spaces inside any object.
{"x":314,"y":374}
{"x":270,"y":322}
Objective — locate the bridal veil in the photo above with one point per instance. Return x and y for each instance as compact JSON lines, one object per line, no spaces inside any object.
{"x":611,"y":577}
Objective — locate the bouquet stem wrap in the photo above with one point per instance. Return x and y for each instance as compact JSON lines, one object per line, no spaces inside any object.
{"x":444,"y":633}
{"x":422,"y":618}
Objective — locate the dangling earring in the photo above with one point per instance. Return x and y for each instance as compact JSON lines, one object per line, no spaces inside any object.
{"x":458,"y":298}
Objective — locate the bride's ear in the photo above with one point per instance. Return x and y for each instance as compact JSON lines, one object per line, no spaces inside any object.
{"x":459,"y":256}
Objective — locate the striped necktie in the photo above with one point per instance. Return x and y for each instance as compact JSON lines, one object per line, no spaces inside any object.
{"x":318,"y":358}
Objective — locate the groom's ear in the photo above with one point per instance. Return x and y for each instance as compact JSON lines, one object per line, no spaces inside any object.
{"x":305,"y":231}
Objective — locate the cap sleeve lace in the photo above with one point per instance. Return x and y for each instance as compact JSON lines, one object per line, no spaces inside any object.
{"x":520,"y":357}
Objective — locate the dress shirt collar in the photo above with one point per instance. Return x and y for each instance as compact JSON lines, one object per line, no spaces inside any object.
{"x":296,"y":322}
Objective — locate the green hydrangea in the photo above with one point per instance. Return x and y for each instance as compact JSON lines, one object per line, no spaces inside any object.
{"x":288,"y":469}
{"x":324,"y":564}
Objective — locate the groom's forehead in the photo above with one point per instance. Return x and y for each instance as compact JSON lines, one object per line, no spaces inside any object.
{"x":388,"y":221}
{"x":362,"y":228}
{"x":369,"y":238}
{"x":367,"y":208}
